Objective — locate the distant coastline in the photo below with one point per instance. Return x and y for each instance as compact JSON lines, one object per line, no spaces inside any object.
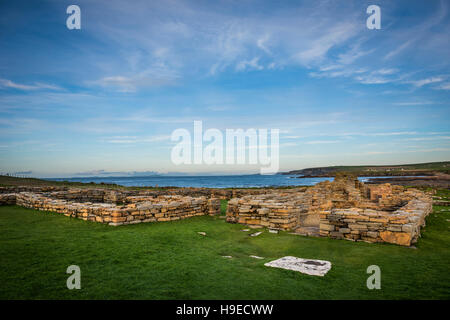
{"x":418,"y":169}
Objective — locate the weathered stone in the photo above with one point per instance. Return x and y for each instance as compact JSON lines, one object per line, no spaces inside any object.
{"x":327,"y":227}
{"x":372,"y":234}
{"x":306,"y":266}
{"x":401,"y":238}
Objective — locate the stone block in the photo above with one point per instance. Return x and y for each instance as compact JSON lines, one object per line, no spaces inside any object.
{"x":400,"y":238}
{"x":327,"y":227}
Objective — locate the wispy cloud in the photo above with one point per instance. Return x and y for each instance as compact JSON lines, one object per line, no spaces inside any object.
{"x":149,"y":78}
{"x":398,"y":49}
{"x":429,"y":138}
{"x":323,"y":141}
{"x":5,"y":83}
{"x":309,"y":68}
{"x":422,"y":82}
{"x":249,"y":65}
{"x":444,"y":86}
{"x":413,"y":103}
{"x":135,"y":139}
{"x":320,"y":46}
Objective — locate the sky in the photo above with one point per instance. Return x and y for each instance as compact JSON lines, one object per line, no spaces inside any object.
{"x":105,"y":99}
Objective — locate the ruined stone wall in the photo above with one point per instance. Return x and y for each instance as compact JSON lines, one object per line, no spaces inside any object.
{"x":7,"y":199}
{"x":263,"y":213}
{"x":342,"y":209}
{"x":164,"y":208}
{"x":400,"y":227}
{"x":119,"y":196}
{"x":78,"y":195}
{"x":280,"y":210}
{"x":16,"y":189}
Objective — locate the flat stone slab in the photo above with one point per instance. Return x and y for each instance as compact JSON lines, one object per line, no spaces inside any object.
{"x":307,"y":266}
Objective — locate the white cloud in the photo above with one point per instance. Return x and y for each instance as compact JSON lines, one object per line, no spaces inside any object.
{"x":413,"y":103}
{"x":262,"y":43}
{"x":134,"y":139}
{"x":392,"y":133}
{"x":319,"y":47}
{"x":399,"y":49}
{"x":5,"y":83}
{"x":249,"y":64}
{"x":371,"y":79}
{"x":385,"y":71}
{"x":444,"y":86}
{"x":323,"y":141}
{"x":353,"y":54}
{"x":133,"y":83}
{"x":429,"y":138}
{"x":422,"y":82}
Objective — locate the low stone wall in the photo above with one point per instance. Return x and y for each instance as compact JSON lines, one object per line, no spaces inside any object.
{"x":343,"y":209}
{"x":16,"y":189}
{"x":79,"y":195}
{"x":282,"y":209}
{"x":164,"y":208}
{"x":7,"y":199}
{"x":92,"y":194}
{"x":262,"y":212}
{"x":400,"y":227}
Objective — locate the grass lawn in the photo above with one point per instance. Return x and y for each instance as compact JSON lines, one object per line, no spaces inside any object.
{"x":169,"y":260}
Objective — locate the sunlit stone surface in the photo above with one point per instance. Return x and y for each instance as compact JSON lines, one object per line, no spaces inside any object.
{"x":308,"y":266}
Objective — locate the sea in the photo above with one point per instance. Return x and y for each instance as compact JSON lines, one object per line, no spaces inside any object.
{"x":226,"y":181}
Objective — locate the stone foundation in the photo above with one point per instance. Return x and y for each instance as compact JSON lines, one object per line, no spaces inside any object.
{"x":87,"y":204}
{"x":119,"y":196}
{"x":342,"y":209}
{"x":399,"y":227}
{"x":7,"y":199}
{"x":280,"y":211}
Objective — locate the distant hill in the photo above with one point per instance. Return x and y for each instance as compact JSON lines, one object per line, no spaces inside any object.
{"x":417,"y":169}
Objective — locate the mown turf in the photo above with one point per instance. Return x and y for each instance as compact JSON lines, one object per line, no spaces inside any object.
{"x":170,"y":260}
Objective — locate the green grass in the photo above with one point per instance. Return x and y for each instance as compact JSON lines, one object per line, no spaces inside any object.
{"x":388,"y":170}
{"x":169,"y":260}
{"x":223,"y":206}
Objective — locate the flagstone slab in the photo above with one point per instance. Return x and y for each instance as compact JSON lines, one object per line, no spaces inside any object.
{"x":307,"y":266}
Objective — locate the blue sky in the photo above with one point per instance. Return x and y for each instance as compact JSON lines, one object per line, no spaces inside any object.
{"x":107,"y":97}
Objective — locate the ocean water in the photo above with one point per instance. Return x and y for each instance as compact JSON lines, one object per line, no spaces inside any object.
{"x":230,"y":181}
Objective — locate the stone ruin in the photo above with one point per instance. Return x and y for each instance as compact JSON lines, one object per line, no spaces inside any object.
{"x":123,"y":206}
{"x":110,"y":206}
{"x":343,"y":209}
